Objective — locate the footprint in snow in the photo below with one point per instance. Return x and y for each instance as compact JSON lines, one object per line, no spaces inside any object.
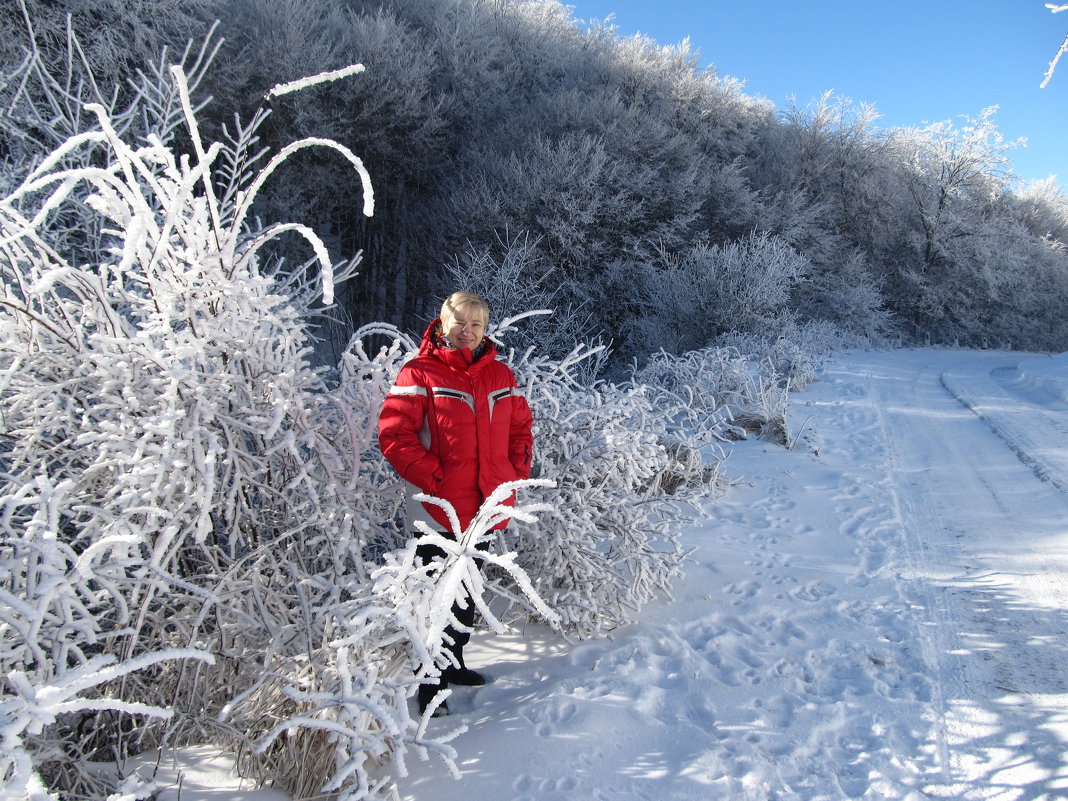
{"x":546,"y":721}
{"x":744,"y":589}
{"x":813,"y":591}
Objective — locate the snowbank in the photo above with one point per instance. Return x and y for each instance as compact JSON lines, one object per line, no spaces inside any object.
{"x":1047,"y":373}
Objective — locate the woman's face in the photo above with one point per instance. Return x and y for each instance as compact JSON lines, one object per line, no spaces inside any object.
{"x":466,"y":328}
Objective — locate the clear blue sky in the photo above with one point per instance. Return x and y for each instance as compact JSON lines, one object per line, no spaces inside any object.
{"x":916,"y":61}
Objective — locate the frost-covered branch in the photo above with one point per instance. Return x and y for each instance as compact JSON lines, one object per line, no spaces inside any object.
{"x":1055,"y":8}
{"x":324,"y":77}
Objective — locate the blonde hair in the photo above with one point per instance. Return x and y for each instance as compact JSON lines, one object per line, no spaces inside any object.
{"x":457,"y":302}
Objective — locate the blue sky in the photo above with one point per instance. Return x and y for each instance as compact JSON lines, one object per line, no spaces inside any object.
{"x":916,"y":61}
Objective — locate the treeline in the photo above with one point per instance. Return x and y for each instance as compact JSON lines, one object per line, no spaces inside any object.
{"x":651,"y":202}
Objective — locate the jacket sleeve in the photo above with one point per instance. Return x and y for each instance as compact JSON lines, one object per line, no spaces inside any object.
{"x":399,"y":426}
{"x":521,"y":437}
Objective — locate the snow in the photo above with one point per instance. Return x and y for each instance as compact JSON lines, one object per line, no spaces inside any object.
{"x":198,"y":773}
{"x":879,"y":613}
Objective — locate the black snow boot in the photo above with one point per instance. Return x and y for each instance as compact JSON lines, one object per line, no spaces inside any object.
{"x":426,"y":695}
{"x":463,"y":676}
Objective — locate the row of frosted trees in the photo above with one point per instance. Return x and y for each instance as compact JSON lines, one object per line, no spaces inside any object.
{"x":589,"y":167}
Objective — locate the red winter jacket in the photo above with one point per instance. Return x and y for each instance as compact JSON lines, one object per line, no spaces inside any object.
{"x":456,"y":428}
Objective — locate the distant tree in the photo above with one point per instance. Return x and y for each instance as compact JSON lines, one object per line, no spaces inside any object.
{"x":955,"y":178}
{"x":827,"y":172}
{"x":58,"y":54}
{"x":483,"y":121}
{"x":1044,"y":208}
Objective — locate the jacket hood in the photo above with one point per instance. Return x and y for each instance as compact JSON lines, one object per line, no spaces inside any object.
{"x":433,"y":344}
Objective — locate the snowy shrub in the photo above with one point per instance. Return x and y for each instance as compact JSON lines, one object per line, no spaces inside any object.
{"x":718,"y":391}
{"x":706,"y":391}
{"x":182,"y":511}
{"x":848,"y":296}
{"x":41,"y":111}
{"x":624,"y":476}
{"x":741,"y":385}
{"x":360,"y":384}
{"x":794,"y":351}
{"x":688,"y":298}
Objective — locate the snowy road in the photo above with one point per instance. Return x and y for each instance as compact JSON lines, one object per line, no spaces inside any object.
{"x":985,"y":559}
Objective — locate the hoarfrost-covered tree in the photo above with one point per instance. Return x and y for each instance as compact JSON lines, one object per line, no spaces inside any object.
{"x":956,"y":180}
{"x":1044,"y":209}
{"x":477,"y":117}
{"x":114,"y":41}
{"x":827,"y":170}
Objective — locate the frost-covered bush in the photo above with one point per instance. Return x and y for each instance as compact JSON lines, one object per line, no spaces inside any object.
{"x":625,"y":476}
{"x":794,"y":351}
{"x":185,"y":505}
{"x":715,"y":391}
{"x":688,"y":298}
{"x":741,"y":385}
{"x":42,"y":106}
{"x":720,"y":391}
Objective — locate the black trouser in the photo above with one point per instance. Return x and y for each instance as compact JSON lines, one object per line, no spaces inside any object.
{"x":455,"y":640}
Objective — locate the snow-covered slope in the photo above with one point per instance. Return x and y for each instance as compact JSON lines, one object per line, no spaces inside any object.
{"x":880,"y":613}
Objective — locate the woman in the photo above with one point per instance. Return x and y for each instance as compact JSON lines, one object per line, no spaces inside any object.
{"x":456,"y":426}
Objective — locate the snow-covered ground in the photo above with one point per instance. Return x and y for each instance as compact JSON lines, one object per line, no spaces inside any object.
{"x":880,"y":613}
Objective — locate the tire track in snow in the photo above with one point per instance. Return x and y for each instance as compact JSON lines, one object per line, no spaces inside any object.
{"x":1039,"y":439}
{"x":937,"y":638}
